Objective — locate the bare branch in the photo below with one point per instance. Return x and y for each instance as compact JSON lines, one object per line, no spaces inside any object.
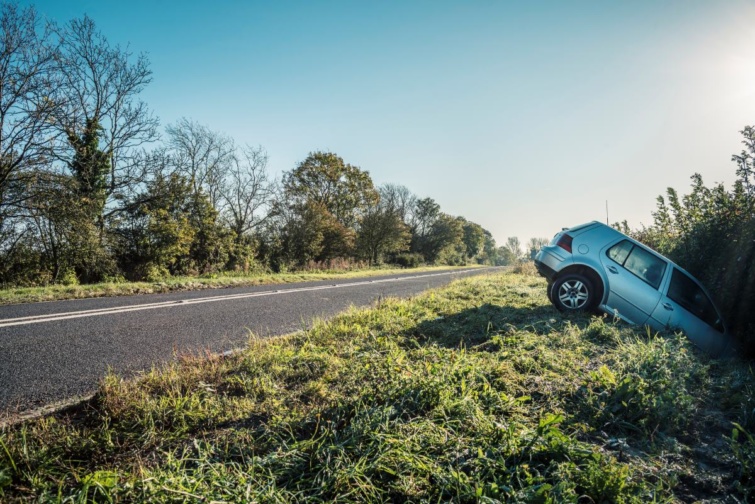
{"x":247,"y":190}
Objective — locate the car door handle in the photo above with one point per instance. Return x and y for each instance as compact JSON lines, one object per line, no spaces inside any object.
{"x":613,"y":270}
{"x":668,"y":306}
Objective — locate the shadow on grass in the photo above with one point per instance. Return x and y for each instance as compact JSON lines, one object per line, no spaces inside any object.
{"x":475,"y":326}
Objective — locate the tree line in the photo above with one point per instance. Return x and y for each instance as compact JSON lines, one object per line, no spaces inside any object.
{"x":711,"y":233}
{"x":91,"y":191}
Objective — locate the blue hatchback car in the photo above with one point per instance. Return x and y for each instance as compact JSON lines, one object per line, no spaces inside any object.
{"x":596,"y":267}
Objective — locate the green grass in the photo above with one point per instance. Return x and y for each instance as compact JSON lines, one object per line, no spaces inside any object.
{"x":479,"y":392}
{"x":16,"y":295}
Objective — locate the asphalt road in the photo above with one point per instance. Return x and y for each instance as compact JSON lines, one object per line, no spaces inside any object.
{"x":51,"y":352}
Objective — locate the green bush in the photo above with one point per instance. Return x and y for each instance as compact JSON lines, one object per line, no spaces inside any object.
{"x":116,"y":279}
{"x":68,"y":277}
{"x":155,"y":273}
{"x":711,"y":233}
{"x":409,"y":260}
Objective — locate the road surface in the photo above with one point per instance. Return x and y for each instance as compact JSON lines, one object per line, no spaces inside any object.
{"x":55,"y":351}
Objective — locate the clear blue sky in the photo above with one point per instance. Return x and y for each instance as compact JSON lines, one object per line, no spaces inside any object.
{"x":521,"y":116}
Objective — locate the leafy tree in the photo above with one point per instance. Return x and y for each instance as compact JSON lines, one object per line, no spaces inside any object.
{"x":382,"y":230}
{"x":69,"y":239}
{"x":505,"y":256}
{"x":213,"y":243}
{"x":424,"y":215}
{"x":425,"y":212}
{"x":745,"y":160}
{"x":298,"y":235}
{"x":322,"y":201}
{"x":90,"y":168}
{"x":302,"y":237}
{"x":474,"y":239}
{"x":323,"y":178}
{"x":489,"y":250}
{"x":170,"y":230}
{"x":446,"y":241}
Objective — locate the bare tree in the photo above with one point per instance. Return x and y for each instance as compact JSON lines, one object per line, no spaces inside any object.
{"x":97,"y":109}
{"x":202,"y":155}
{"x":535,"y":244}
{"x":401,"y":199}
{"x":26,"y":80}
{"x":514,"y":246}
{"x":25,"y":84}
{"x":246,"y":190}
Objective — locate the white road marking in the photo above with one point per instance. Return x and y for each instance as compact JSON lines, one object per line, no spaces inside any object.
{"x":53,"y":317}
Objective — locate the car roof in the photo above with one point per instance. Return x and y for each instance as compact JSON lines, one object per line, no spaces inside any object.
{"x":582,"y":228}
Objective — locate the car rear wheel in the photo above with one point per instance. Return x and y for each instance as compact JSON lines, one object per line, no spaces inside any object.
{"x":572,"y":293}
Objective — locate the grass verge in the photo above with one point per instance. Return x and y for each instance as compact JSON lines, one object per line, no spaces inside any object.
{"x":478,"y":392}
{"x":60,"y":292}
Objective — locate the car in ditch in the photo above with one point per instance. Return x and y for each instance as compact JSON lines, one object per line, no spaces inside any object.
{"x":594,"y":267}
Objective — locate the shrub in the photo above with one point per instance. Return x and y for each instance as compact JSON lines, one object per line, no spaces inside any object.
{"x":525,"y":268}
{"x":152,"y":273}
{"x":409,"y":260}
{"x":68,"y":277}
{"x":711,"y":233}
{"x":334,"y":264}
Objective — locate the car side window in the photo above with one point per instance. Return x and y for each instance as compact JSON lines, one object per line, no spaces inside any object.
{"x":638,"y":261}
{"x":620,"y":251}
{"x":689,"y":295}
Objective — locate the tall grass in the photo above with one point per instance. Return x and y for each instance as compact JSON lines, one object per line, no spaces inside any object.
{"x":479,"y":392}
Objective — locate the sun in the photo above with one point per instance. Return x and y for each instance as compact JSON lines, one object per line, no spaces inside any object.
{"x":736,"y":47}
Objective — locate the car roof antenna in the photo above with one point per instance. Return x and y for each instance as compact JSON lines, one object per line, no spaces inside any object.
{"x":607,"y":224}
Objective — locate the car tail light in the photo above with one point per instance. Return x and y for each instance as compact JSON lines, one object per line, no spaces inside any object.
{"x":565,"y":242}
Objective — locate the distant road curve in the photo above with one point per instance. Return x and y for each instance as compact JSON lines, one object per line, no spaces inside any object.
{"x":52,"y":352}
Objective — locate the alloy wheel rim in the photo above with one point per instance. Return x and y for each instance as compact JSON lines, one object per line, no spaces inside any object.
{"x":573,"y":294}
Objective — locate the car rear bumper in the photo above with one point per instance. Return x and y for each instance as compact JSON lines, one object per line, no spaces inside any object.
{"x":545,"y":270}
{"x":549,"y":262}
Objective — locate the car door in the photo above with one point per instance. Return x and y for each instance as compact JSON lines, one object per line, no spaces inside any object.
{"x":634,"y":276}
{"x":685,"y":305}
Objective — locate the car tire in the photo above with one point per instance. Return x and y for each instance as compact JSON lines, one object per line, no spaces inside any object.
{"x":549,"y":291}
{"x":573,"y":293}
